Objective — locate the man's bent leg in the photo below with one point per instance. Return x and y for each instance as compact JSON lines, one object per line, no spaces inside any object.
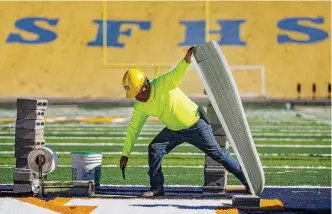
{"x":201,"y":136}
{"x":162,"y":144}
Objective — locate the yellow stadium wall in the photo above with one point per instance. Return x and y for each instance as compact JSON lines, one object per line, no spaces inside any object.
{"x":54,"y":49}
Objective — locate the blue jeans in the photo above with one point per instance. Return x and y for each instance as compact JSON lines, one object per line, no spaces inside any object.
{"x":199,"y":135}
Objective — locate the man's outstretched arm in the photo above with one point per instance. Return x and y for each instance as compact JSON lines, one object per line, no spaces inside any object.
{"x":173,"y":78}
{"x":135,"y":126}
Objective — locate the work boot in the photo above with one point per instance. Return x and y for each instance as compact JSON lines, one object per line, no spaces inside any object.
{"x":151,"y":193}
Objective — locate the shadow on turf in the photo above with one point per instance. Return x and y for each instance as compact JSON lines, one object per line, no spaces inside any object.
{"x":186,"y":207}
{"x":242,"y":211}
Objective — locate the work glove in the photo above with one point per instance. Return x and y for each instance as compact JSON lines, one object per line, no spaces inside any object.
{"x":123,"y":162}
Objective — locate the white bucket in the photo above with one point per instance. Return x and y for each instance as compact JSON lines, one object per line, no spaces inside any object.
{"x":87,"y":166}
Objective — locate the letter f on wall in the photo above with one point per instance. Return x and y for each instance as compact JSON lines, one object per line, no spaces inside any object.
{"x":114,"y":33}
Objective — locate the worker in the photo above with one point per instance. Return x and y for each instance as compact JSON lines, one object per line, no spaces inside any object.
{"x":185,"y":122}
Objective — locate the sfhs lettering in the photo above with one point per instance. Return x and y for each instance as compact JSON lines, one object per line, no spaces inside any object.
{"x":194,"y":31}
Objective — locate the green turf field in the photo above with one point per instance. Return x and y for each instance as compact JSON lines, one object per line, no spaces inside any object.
{"x":294,"y":146}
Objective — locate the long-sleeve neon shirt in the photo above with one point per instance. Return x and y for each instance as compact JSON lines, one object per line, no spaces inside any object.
{"x":167,"y":103}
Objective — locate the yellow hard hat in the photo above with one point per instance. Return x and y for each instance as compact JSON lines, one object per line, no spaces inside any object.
{"x":132,"y":82}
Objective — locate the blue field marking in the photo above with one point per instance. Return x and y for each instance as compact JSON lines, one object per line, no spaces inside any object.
{"x":301,"y":199}
{"x":6,"y":187}
{"x":265,"y":212}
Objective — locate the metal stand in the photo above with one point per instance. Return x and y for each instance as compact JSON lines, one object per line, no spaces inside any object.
{"x":37,"y":179}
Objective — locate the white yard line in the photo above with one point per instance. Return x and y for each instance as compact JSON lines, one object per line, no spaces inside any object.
{"x":150,"y":138}
{"x":96,"y":129}
{"x":88,"y":125}
{"x":189,"y":153}
{"x":92,"y":144}
{"x":273,"y":130}
{"x":301,"y":187}
{"x":290,"y":135}
{"x":190,"y":167}
{"x":291,"y":146}
{"x":73,"y":133}
{"x":81,"y":138}
{"x":145,"y":133}
{"x":126,"y":119}
{"x":157,"y":130}
{"x":160,"y":125}
{"x":196,"y":186}
{"x":266,"y":129}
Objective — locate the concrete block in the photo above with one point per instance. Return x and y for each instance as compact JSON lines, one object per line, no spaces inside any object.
{"x":212,"y":116}
{"x":218,"y":130}
{"x":23,"y":152}
{"x":215,"y":176}
{"x":212,"y":180}
{"x":245,"y":201}
{"x":209,"y":162}
{"x":218,"y":171}
{"x":23,"y":143}
{"x":30,"y":124}
{"x":21,"y":170}
{"x":21,"y":174}
{"x":22,"y":163}
{"x":39,"y":104}
{"x":213,"y":190}
{"x":30,"y":134}
{"x":222,"y":141}
{"x":30,"y":114}
{"x":213,"y":120}
{"x":22,"y":188}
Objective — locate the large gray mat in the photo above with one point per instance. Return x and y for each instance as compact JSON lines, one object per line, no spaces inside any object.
{"x":218,"y":81}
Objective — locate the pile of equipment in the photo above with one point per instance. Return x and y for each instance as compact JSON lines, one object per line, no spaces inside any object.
{"x":29,"y":136}
{"x":34,"y":160}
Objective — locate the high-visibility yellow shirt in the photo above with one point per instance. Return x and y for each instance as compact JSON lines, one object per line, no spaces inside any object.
{"x":167,"y":103}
